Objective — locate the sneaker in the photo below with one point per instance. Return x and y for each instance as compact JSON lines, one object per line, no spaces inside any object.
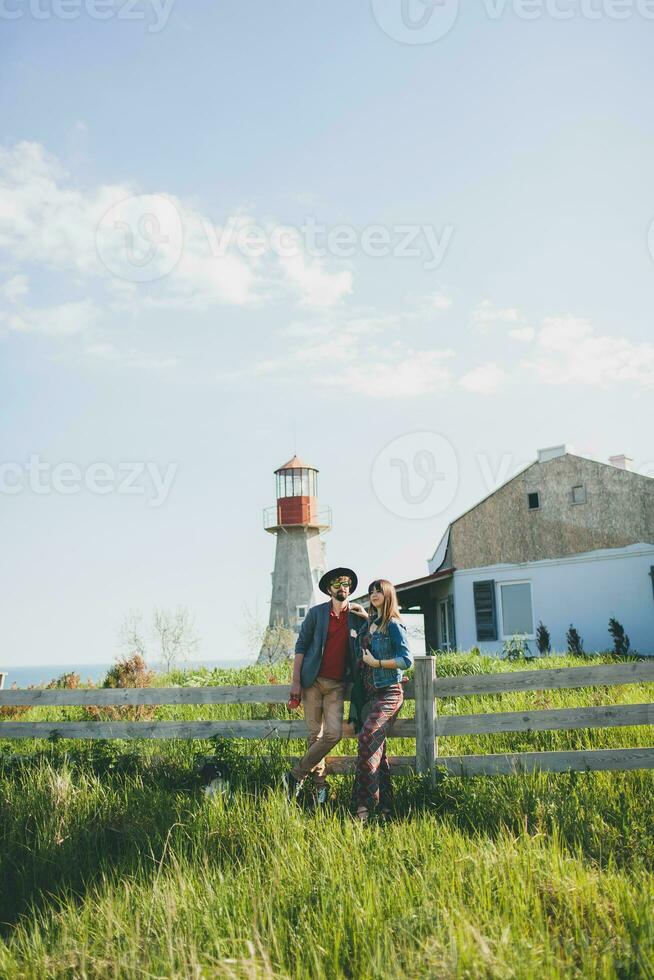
{"x":292,"y":785}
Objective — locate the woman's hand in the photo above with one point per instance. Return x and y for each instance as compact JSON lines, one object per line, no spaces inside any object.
{"x":368,"y":659}
{"x":358,"y":610}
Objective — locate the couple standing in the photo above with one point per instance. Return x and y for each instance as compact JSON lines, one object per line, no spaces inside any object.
{"x":338,"y":644}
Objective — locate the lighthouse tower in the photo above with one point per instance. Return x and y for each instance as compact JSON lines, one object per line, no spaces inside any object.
{"x":298,"y":526}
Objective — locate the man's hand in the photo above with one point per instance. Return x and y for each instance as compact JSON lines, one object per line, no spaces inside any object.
{"x":296,"y":691}
{"x":358,"y":610}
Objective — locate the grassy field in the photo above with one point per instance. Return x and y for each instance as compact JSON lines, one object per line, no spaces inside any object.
{"x":113,"y":863}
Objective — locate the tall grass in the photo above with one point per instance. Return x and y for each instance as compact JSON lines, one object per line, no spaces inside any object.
{"x":113,"y":863}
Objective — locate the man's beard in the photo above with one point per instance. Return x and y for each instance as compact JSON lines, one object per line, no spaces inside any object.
{"x":341,"y":595}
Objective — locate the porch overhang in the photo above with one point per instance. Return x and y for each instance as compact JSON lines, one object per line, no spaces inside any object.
{"x":415,"y":594}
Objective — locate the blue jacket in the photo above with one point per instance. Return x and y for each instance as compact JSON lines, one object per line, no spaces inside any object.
{"x":391,"y":645}
{"x":312,"y":639}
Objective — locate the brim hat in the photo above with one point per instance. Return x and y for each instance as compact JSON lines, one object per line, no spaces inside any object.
{"x":323,"y":584}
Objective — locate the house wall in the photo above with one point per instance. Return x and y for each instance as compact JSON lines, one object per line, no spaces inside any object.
{"x":619,"y":511}
{"x":585,"y":590}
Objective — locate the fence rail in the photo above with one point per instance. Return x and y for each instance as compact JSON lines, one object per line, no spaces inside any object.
{"x":427,"y":726}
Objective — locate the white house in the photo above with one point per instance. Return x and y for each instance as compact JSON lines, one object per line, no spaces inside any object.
{"x":568,"y":541}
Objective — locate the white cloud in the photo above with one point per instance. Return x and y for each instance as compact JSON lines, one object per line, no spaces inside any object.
{"x":64,"y":320}
{"x":314,"y":285}
{"x":568,"y":351}
{"x":357,"y":353}
{"x":14,"y":288}
{"x":483,"y":380}
{"x":439,"y":301}
{"x":130,"y":358}
{"x":485,"y":315}
{"x":409,"y":375}
{"x":522,"y":333}
{"x":152,"y":251}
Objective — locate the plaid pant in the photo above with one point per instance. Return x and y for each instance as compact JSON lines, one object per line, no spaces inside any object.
{"x":372,"y":781}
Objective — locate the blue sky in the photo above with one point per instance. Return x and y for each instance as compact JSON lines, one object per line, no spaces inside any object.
{"x":523,"y":149}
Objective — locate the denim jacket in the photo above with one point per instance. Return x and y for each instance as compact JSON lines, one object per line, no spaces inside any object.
{"x":391,"y":645}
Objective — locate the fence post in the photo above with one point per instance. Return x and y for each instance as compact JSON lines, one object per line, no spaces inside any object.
{"x":426,"y":745}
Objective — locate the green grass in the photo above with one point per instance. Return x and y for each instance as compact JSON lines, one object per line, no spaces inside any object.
{"x":114,"y":864}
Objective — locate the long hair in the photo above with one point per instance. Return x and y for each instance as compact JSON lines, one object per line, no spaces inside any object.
{"x":390,"y":608}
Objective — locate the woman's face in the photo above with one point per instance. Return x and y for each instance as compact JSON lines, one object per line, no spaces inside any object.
{"x":376,"y":597}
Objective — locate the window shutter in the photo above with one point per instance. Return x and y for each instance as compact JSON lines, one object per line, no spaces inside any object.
{"x":485,"y":610}
{"x":450,"y":613}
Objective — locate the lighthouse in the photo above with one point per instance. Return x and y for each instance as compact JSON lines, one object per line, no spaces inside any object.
{"x":298,"y":526}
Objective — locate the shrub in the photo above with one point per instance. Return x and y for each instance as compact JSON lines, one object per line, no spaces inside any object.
{"x":621,"y":641}
{"x":129,"y":672}
{"x":516,"y":648}
{"x":68,"y":682}
{"x":574,"y":641}
{"x":543,"y":641}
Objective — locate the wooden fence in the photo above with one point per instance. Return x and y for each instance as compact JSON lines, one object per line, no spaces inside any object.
{"x":426,"y":689}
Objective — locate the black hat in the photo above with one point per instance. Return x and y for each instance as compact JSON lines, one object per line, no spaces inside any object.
{"x":323,"y":584}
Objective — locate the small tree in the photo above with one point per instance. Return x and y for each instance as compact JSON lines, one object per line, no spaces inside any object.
{"x":543,"y":641}
{"x":621,"y":641}
{"x":173,"y":633}
{"x":278,"y":644}
{"x":574,"y":640}
{"x":131,"y":634}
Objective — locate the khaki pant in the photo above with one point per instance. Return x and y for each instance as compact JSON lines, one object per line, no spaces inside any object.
{"x":323,"y":716}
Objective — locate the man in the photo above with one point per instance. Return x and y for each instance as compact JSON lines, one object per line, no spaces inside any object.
{"x":324,"y":657}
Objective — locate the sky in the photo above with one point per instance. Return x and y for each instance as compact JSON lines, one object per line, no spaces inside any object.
{"x":410,"y":241}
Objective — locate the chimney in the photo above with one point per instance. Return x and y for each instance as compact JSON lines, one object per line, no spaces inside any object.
{"x":621,"y":462}
{"x":544,"y":455}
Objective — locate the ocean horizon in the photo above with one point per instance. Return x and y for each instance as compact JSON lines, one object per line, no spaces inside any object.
{"x":43,"y":673}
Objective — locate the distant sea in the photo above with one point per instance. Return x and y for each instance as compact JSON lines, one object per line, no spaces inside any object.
{"x":43,"y":673}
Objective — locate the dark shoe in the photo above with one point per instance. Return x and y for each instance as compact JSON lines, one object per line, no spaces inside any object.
{"x":292,"y":785}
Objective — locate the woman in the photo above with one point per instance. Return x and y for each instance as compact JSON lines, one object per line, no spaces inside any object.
{"x":384,"y":656}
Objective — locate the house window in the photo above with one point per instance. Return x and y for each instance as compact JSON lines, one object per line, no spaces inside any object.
{"x":533,"y":500}
{"x":485,"y":611}
{"x":579,"y":494}
{"x":517,"y":612}
{"x":301,"y":612}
